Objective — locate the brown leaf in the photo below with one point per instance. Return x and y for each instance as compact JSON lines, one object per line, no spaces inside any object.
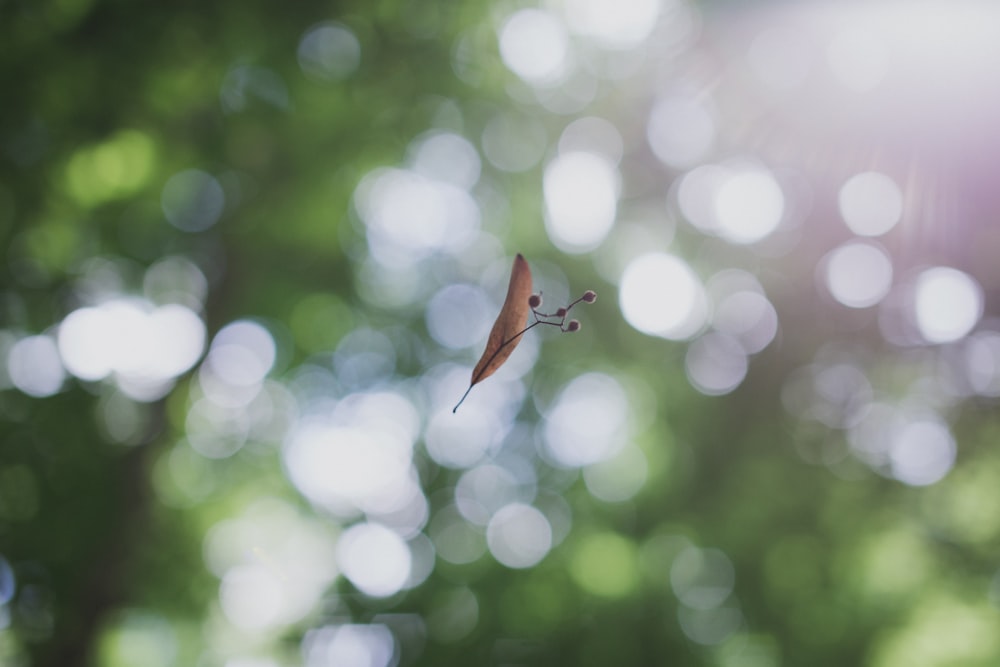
{"x":508,"y":328}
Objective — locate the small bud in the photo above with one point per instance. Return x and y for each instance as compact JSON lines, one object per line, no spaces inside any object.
{"x":590,"y":296}
{"x":535,"y":300}
{"x":574,"y":325}
{"x":561,"y":312}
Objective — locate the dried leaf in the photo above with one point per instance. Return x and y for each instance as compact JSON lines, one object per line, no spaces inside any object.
{"x":509,"y":327}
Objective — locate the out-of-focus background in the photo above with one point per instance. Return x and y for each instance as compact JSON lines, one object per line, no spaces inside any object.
{"x":252,"y":251}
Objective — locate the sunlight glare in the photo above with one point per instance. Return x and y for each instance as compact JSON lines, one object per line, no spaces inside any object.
{"x":619,"y":478}
{"x":859,"y":58}
{"x":779,"y":58}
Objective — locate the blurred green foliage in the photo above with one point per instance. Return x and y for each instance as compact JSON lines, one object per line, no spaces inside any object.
{"x":103,"y":538}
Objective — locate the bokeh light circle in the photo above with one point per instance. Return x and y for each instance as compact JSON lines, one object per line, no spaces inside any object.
{"x":252,"y":597}
{"x":581,"y":199}
{"x":192,"y":200}
{"x":242,"y":353}
{"x":681,"y":131}
{"x":513,"y":142}
{"x":588,"y":422}
{"x":871,"y":203}
{"x":716,"y":364}
{"x":660,"y":295}
{"x":923,"y":452}
{"x":534,"y":44}
{"x":519,"y":536}
{"x":447,"y":158}
{"x":747,"y":316}
{"x":749,"y":205}
{"x":982,"y":362}
{"x":452,"y":310}
{"x":857,"y":274}
{"x":375,"y":559}
{"x":483,"y":490}
{"x":34,"y":366}
{"x":329,"y":52}
{"x":463,"y":438}
{"x":702,"y":578}
{"x":947,"y":304}
{"x":613,"y":24}
{"x":350,"y":644}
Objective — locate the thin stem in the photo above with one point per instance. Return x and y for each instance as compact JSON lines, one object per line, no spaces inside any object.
{"x":505,"y":344}
{"x":565,"y":313}
{"x":561,"y":324}
{"x":494,"y":356}
{"x":454,"y":409}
